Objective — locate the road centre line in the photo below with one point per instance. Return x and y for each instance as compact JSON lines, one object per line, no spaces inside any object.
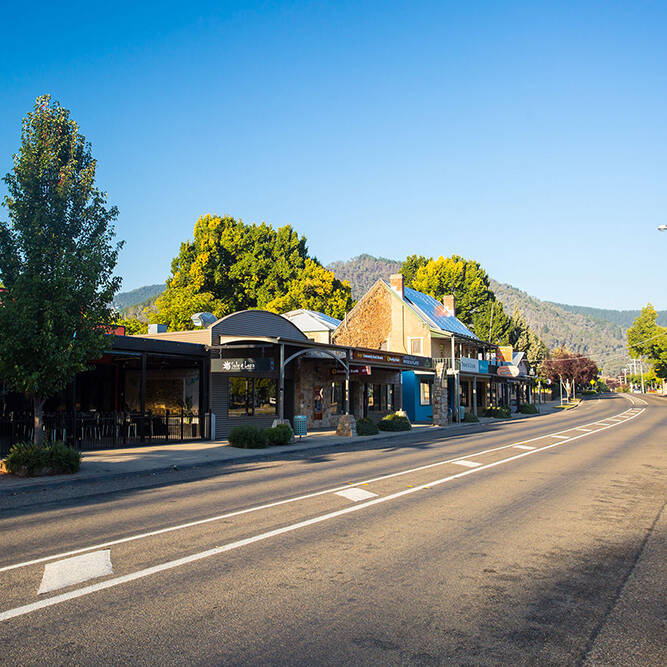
{"x":140,"y":574}
{"x":277,"y":503}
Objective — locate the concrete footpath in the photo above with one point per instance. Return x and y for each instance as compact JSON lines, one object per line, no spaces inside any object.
{"x":108,"y":464}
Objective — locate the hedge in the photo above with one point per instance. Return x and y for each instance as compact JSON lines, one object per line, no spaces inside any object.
{"x":366,"y":427}
{"x":528,"y":409}
{"x":29,"y":460}
{"x":279,"y":435}
{"x":247,"y":437}
{"x":394,"y":423}
{"x":500,"y":412}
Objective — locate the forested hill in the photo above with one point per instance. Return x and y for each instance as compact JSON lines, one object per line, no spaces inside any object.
{"x":623,"y":318}
{"x":136,"y":296}
{"x":558,"y":325}
{"x":362,"y":271}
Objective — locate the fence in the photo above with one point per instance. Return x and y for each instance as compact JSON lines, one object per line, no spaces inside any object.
{"x":95,"y":430}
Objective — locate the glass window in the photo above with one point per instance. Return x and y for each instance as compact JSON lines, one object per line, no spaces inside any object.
{"x":424,"y":392}
{"x":390,"y":398}
{"x":415,"y":346}
{"x":337,"y":401}
{"x":377,"y":392}
{"x":252,"y":396}
{"x":371,"y":397}
{"x":265,"y":396}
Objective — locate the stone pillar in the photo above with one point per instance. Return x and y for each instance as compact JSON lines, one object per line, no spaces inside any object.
{"x":440,"y":407}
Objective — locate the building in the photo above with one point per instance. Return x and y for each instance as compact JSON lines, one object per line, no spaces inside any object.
{"x":317,"y":326}
{"x":392,"y":317}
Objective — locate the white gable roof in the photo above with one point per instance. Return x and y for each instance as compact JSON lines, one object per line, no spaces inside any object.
{"x":311,"y":320}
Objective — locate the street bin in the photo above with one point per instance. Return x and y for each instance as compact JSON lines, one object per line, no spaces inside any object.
{"x":300,"y":425}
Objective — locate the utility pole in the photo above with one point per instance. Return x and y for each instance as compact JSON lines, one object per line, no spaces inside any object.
{"x":641,"y":368}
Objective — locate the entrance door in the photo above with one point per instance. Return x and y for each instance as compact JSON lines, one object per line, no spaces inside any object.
{"x":289,"y":400}
{"x":353,"y":399}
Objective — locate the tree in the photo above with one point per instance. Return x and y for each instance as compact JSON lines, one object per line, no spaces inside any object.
{"x":647,"y":338}
{"x":315,"y":288}
{"x":525,"y":340}
{"x":464,"y":278}
{"x":57,"y":259}
{"x":132,"y":325}
{"x":230,"y":265}
{"x":571,"y":368}
{"x":491,"y":323}
{"x":411,"y":265}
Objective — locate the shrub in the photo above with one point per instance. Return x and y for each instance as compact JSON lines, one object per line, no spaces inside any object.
{"x":528,"y":409}
{"x":366,"y":427}
{"x":394,"y":423}
{"x":247,"y":437}
{"x":469,"y":418}
{"x":500,"y":412}
{"x":279,"y":435}
{"x":28,"y":459}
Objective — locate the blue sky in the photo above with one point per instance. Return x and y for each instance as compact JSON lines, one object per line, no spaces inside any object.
{"x":529,"y":136}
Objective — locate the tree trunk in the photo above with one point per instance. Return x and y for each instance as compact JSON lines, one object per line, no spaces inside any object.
{"x":38,"y":419}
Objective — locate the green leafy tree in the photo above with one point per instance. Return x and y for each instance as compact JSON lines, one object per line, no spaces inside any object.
{"x":132,"y":325}
{"x":57,"y":259}
{"x":315,"y":288}
{"x":464,"y":278}
{"x":525,"y":340}
{"x":490,"y":322}
{"x":411,"y":265}
{"x":647,"y":339}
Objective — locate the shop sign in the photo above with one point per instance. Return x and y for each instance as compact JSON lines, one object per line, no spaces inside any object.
{"x":505,"y":353}
{"x":508,"y":371}
{"x":483,"y":366}
{"x":392,"y":358}
{"x":469,"y":365}
{"x":246,"y":365}
{"x":357,"y":370}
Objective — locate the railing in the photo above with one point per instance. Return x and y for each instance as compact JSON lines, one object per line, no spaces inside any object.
{"x":96,"y":430}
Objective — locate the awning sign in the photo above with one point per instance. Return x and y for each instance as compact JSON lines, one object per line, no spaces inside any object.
{"x":246,"y":365}
{"x":508,"y":371}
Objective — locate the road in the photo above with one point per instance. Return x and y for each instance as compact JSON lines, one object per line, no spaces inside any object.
{"x":540,"y":541}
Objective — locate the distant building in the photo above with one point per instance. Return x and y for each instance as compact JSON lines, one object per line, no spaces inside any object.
{"x":317,"y":326}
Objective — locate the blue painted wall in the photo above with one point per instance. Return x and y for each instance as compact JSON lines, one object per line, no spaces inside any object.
{"x":411,"y":404}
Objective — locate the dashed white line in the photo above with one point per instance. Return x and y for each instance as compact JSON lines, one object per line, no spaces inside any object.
{"x":140,"y":574}
{"x":523,"y":447}
{"x":467,"y":464}
{"x":355,"y":495}
{"x":564,"y":437}
{"x":257,"y":508}
{"x":75,"y":570}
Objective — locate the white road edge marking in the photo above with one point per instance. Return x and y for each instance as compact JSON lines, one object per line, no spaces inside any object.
{"x":75,"y":570}
{"x":170,"y":565}
{"x":355,"y":495}
{"x":257,"y":508}
{"x":467,"y":464}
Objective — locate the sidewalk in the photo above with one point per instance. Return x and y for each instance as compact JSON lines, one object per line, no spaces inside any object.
{"x":108,"y":464}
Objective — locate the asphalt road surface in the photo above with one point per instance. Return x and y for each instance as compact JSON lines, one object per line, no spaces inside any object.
{"x":536,"y":542}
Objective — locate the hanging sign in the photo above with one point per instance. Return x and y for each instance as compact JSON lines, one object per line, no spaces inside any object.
{"x":508,"y":371}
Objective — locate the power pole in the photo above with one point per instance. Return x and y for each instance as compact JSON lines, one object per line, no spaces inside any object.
{"x":641,"y":368}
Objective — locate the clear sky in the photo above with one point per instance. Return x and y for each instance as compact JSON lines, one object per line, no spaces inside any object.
{"x":531,"y":136}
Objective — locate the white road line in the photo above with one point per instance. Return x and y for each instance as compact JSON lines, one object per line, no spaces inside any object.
{"x":75,"y":570}
{"x":523,"y":447}
{"x":588,"y":430}
{"x":467,"y":464}
{"x":355,"y":495}
{"x":566,"y":437}
{"x":257,"y":508}
{"x":170,"y":565}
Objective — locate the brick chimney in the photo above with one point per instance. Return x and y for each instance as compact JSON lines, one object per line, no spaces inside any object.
{"x":396,"y":282}
{"x":448,"y":302}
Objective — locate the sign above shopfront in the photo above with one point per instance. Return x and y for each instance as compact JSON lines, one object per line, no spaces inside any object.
{"x":391,"y":358}
{"x":356,"y":370}
{"x":246,"y":365}
{"x":508,"y":371}
{"x":469,"y":365}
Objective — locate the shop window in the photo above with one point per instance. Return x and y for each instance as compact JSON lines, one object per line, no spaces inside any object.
{"x":376,"y":393}
{"x":415,"y":346}
{"x":371,"y":396}
{"x":337,"y":397}
{"x":390,"y":398}
{"x":424,"y":392}
{"x":250,"y":397}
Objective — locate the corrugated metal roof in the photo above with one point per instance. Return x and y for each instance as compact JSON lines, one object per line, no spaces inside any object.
{"x":311,"y":320}
{"x":433,"y":312}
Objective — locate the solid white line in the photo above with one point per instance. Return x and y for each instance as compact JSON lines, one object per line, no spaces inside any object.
{"x":355,"y":495}
{"x":140,"y":574}
{"x":566,"y":437}
{"x":523,"y":447}
{"x":257,"y":508}
{"x":588,"y":430}
{"x":467,"y":464}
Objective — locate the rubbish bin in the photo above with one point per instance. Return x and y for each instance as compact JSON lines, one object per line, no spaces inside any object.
{"x":300,"y":425}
